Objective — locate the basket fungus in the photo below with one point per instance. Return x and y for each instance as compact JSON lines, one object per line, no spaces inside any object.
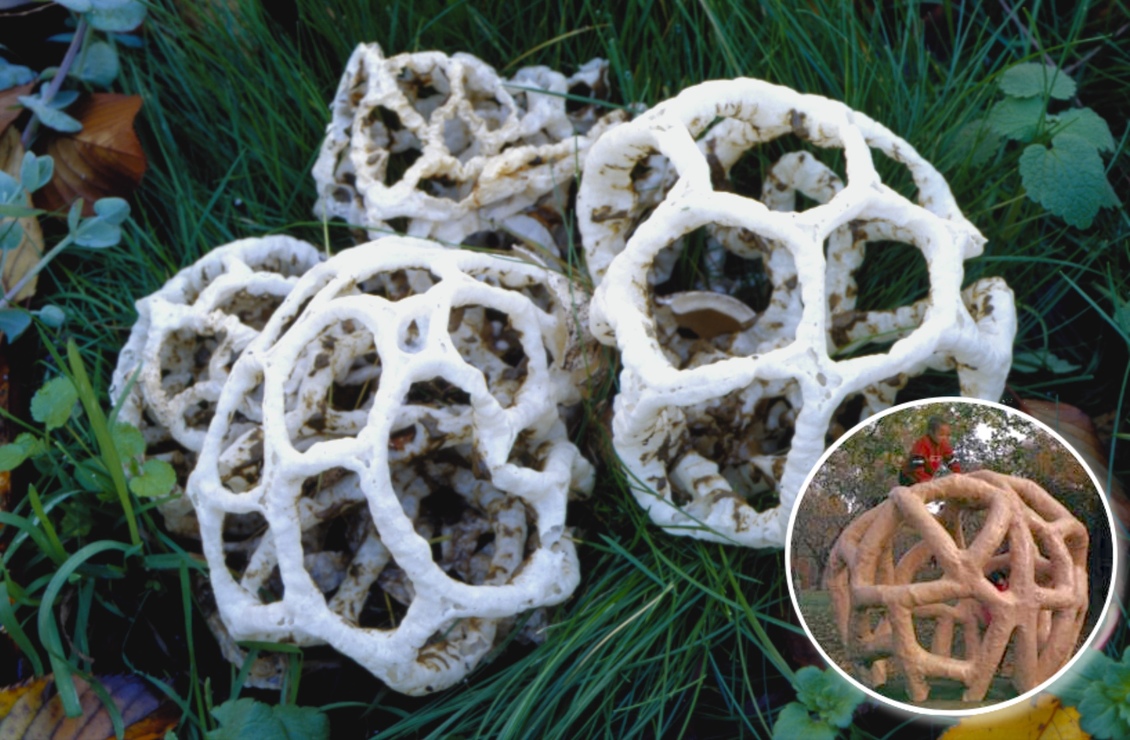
{"x":726,"y":404}
{"x":442,"y":147}
{"x":400,"y":491}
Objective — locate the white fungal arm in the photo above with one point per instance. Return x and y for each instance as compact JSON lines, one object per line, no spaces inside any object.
{"x":721,"y":405}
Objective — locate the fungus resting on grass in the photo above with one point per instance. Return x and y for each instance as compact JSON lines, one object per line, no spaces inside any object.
{"x":442,"y":147}
{"x":185,"y":340}
{"x":745,"y":352}
{"x":400,"y":494}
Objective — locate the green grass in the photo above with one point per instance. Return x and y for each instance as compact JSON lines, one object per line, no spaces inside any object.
{"x":663,"y":633}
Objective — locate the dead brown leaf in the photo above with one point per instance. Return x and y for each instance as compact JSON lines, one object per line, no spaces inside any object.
{"x":1079,"y":431}
{"x":103,"y":159}
{"x":5,"y":435}
{"x":22,"y":258}
{"x":10,"y":108}
{"x":33,"y":710}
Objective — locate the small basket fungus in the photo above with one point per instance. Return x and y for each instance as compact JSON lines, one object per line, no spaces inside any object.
{"x":442,"y":147}
{"x":400,"y":491}
{"x":186,"y":338}
{"x":1021,"y":578}
{"x":723,"y":403}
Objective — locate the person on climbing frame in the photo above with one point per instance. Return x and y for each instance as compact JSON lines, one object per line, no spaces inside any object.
{"x":929,"y":453}
{"x":999,"y":579}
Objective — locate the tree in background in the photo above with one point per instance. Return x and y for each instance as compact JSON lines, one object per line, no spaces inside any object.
{"x":859,"y":474}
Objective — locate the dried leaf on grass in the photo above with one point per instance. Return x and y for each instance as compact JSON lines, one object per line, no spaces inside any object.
{"x":10,"y":108}
{"x":6,"y":435}
{"x":23,"y":257}
{"x":1079,"y":431}
{"x":32,"y":710}
{"x":1039,"y":718}
{"x":103,"y":159}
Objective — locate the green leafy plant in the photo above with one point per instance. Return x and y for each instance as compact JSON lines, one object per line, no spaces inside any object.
{"x":240,"y":718}
{"x":1061,"y":166}
{"x":87,"y":463}
{"x":1100,"y":689}
{"x":825,"y":704}
{"x":101,"y":471}
{"x":99,"y":231}
{"x":87,"y":59}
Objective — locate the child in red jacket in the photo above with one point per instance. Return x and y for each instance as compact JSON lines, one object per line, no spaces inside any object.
{"x":929,"y":453}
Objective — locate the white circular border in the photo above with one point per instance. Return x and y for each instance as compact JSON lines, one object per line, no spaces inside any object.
{"x":1101,"y":624}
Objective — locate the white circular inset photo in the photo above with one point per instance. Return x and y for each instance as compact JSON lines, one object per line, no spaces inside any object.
{"x":951,"y":556}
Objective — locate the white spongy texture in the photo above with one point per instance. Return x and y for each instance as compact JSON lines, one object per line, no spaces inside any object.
{"x":186,"y":338}
{"x":720,"y":403}
{"x":410,"y":394}
{"x":455,"y":150}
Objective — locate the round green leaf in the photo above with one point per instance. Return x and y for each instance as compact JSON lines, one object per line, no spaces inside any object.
{"x":112,"y":210}
{"x":242,"y":718}
{"x":11,"y":456}
{"x":52,"y":316}
{"x":99,"y":64}
{"x":156,"y":480}
{"x":10,"y":189}
{"x":13,"y":322}
{"x":1032,"y":79}
{"x":54,"y":403}
{"x":97,"y":233}
{"x":128,"y":440}
{"x":12,"y":75}
{"x":1086,"y":124}
{"x":1016,"y":118}
{"x":50,"y":116}
{"x":63,"y":98}
{"x":35,"y":172}
{"x":116,"y":15}
{"x":74,"y":215}
{"x":78,"y":6}
{"x":11,"y":235}
{"x":1068,"y":179}
{"x":794,"y":721}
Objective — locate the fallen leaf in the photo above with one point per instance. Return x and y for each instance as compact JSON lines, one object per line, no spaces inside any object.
{"x":1039,"y":718}
{"x":33,"y":710}
{"x":103,"y":159}
{"x":10,"y":108}
{"x":5,"y":437}
{"x":23,"y":257}
{"x":1079,"y":431}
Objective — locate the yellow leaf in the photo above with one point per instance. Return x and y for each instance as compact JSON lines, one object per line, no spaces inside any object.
{"x":1039,"y":718}
{"x":20,"y":259}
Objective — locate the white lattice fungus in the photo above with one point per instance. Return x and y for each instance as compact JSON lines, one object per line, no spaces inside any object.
{"x":402,"y":495}
{"x":442,"y":147}
{"x":723,"y":401}
{"x":186,"y":338}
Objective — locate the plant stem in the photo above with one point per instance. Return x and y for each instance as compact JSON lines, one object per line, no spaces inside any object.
{"x":57,"y":80}
{"x":1011,"y":12}
{"x":35,"y":270}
